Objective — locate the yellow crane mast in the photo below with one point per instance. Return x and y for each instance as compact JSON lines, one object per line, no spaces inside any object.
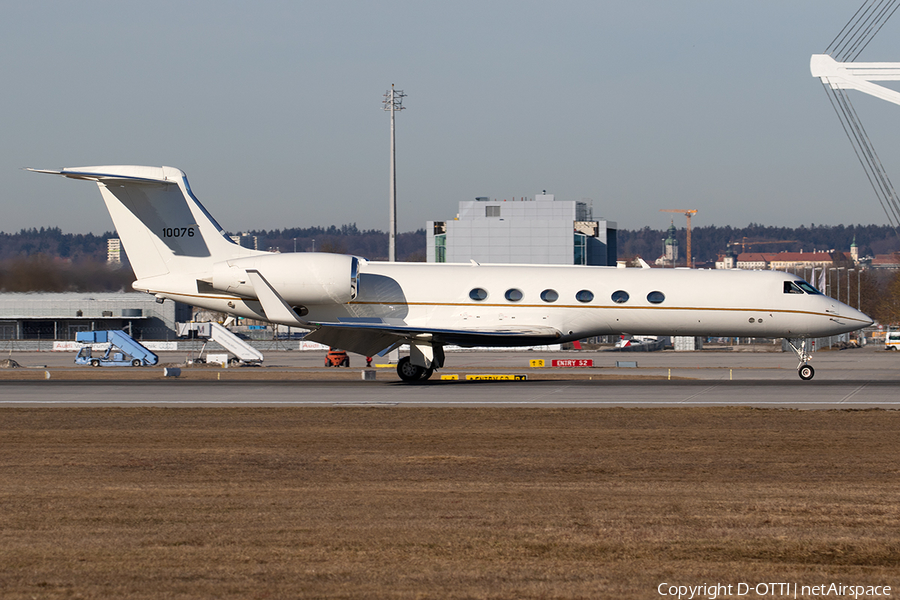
{"x":687,"y":213}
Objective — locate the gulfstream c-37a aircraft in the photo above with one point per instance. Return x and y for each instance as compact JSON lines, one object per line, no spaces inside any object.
{"x":178,"y":251}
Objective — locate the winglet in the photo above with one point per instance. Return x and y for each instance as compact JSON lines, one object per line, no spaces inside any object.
{"x":276,"y":309}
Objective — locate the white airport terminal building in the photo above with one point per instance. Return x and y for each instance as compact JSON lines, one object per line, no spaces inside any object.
{"x":542,"y":231}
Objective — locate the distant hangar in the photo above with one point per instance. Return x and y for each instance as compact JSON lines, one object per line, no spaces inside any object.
{"x":52,"y":316}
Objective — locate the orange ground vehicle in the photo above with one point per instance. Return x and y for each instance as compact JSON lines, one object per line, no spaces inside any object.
{"x":336,"y":358}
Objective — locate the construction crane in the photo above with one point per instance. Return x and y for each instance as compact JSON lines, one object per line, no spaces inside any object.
{"x":687,"y":213}
{"x":747,"y":242}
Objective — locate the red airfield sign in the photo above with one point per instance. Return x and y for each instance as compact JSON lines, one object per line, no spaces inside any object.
{"x":573,"y":362}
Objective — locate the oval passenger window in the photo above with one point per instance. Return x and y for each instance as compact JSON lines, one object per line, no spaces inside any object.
{"x":549,"y":296}
{"x":584,"y":296}
{"x":620,"y":297}
{"x":656,"y":297}
{"x":478,"y":294}
{"x":513,"y":295}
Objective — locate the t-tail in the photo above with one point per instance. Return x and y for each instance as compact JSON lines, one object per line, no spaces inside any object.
{"x":166,"y":232}
{"x":179,"y":251}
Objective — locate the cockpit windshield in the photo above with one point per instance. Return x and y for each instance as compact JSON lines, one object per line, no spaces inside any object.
{"x":799,"y":287}
{"x":808,"y":288}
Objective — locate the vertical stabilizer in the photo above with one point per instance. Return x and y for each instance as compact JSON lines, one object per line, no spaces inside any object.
{"x":163,"y":227}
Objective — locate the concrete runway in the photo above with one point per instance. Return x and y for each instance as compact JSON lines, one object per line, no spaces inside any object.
{"x":763,"y":394}
{"x":861,"y":378}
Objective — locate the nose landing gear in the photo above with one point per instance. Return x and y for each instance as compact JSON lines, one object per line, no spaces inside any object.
{"x":806,"y":372}
{"x":803,"y":349}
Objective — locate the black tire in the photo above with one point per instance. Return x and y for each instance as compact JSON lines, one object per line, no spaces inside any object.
{"x":408,"y":371}
{"x":427,"y":373}
{"x":346,"y":362}
{"x":95,"y":363}
{"x":136,"y":362}
{"x":806,"y":372}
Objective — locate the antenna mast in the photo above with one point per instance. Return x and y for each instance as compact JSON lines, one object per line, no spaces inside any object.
{"x":393,"y":101}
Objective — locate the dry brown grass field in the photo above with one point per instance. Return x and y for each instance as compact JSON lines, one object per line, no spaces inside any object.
{"x":442,"y":503}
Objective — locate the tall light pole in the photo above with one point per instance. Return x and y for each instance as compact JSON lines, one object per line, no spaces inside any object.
{"x":849,"y":301}
{"x":838,"y":287}
{"x":393,"y":101}
{"x":858,"y":304}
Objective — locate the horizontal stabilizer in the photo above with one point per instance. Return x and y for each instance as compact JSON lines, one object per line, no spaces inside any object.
{"x":131,"y":173}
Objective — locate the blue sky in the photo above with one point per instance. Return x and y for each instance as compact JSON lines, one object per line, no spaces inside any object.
{"x":273,"y":109}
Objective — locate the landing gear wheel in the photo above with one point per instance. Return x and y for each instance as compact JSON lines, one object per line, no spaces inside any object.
{"x":806,"y":372}
{"x":136,"y":362}
{"x":408,"y":371}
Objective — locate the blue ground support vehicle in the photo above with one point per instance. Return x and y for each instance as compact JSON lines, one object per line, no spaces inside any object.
{"x":123,"y":351}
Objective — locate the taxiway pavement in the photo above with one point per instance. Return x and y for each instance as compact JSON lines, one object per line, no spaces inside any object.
{"x":858,"y":378}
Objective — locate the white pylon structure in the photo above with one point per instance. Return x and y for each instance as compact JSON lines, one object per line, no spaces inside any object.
{"x":838,"y":72}
{"x":393,"y":101}
{"x":856,"y":76}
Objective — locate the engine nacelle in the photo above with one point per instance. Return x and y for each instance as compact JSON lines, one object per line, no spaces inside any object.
{"x":306,"y":278}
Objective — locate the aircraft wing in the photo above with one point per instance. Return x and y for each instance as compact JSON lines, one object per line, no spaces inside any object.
{"x":370,"y":338}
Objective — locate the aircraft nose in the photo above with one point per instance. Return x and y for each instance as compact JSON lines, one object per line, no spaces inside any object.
{"x":860,"y":317}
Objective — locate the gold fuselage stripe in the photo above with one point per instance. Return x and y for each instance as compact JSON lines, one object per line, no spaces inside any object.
{"x":591,"y":306}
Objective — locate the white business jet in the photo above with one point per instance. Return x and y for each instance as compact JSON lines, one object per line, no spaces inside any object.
{"x":178,"y":251}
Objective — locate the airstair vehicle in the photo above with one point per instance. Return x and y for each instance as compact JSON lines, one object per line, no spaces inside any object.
{"x":123,"y":350}
{"x":243,"y":351}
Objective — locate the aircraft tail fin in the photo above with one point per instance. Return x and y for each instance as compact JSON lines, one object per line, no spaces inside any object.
{"x":163,"y":227}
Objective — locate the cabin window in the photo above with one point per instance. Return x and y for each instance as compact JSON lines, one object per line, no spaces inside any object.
{"x":620,"y":297}
{"x":656,"y":297}
{"x":584,"y":296}
{"x":513,"y":295}
{"x":478,"y":294}
{"x":549,"y":296}
{"x":792,"y":288}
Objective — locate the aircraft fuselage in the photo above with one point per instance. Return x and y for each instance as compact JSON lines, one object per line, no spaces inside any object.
{"x":577,"y":301}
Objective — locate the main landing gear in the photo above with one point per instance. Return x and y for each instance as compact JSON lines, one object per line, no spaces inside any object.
{"x":803,"y":349}
{"x":410,"y":372}
{"x":424,"y":357}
